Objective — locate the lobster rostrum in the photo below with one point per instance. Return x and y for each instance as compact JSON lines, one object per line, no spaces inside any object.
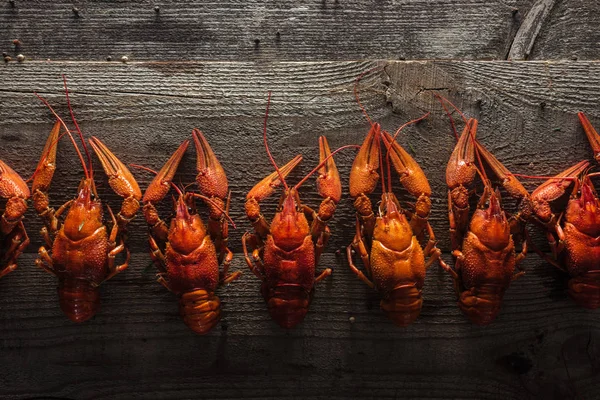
{"x":388,"y":243}
{"x":575,"y":236}
{"x":188,"y":253}
{"x":13,"y":237}
{"x":80,"y":250}
{"x":284,"y":253}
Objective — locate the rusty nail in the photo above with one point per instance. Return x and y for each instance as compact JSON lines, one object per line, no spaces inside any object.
{"x":156,"y":9}
{"x":75,"y":11}
{"x":108,"y":58}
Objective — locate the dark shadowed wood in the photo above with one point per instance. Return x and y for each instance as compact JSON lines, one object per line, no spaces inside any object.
{"x":569,"y":32}
{"x":541,"y":346}
{"x":261,"y":30}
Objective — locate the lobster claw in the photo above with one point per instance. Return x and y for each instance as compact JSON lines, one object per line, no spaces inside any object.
{"x":160,"y":185}
{"x":591,"y":134}
{"x":461,"y":167}
{"x":551,"y":191}
{"x":47,"y":164}
{"x":412,"y":176}
{"x":329,"y":184}
{"x":364,"y":175}
{"x":211,"y":178}
{"x":512,"y":185}
{"x":119,"y":179}
{"x":266,"y":187}
{"x":119,"y":176}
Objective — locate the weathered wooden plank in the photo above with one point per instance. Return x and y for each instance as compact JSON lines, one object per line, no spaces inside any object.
{"x":261,"y":30}
{"x":529,"y":30}
{"x":143,"y":111}
{"x":542,"y":345}
{"x":137,"y":346}
{"x":569,"y":32}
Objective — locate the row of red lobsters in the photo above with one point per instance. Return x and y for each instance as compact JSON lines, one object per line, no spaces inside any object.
{"x":396,"y":245}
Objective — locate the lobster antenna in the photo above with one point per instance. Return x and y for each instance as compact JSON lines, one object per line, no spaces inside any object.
{"x":379,"y":139}
{"x":218,"y":207}
{"x":449,"y":115}
{"x":85,"y":148}
{"x":174,"y":186}
{"x":323,"y":163}
{"x":85,"y":170}
{"x":453,"y":106}
{"x":358,"y":78}
{"x":281,"y":177}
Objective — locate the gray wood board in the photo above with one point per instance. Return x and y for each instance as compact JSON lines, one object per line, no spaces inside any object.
{"x":541,"y":345}
{"x":144,"y":110}
{"x":289,"y":31}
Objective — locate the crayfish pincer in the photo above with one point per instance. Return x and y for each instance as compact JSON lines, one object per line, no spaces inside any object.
{"x":13,"y":237}
{"x":80,"y":250}
{"x":283,"y":254}
{"x":188,"y":253}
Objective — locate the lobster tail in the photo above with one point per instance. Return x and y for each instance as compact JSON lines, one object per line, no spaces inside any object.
{"x":287,"y":304}
{"x":403,"y":305}
{"x":78,"y":299}
{"x":482,"y":304}
{"x":200,"y":310}
{"x":585,"y":291}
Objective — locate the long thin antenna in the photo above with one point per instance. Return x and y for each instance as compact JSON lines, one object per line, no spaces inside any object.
{"x":448,"y":114}
{"x":281,"y":177}
{"x":85,"y":148}
{"x":323,"y":163}
{"x":358,"y":78}
{"x":85,"y":170}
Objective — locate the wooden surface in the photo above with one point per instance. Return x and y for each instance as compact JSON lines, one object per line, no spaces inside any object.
{"x":295,"y":31}
{"x":210,"y":65}
{"x":541,"y":346}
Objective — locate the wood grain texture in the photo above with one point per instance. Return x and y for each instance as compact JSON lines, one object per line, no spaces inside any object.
{"x":529,"y":29}
{"x":324,"y":30}
{"x":541,"y":346}
{"x":569,"y":32}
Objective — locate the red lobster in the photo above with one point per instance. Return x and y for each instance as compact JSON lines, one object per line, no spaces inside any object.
{"x":388,"y":243}
{"x":13,"y":236}
{"x":484,"y":248}
{"x":188,"y":253}
{"x":284,"y":253}
{"x":575,"y":236}
{"x":83,"y":250}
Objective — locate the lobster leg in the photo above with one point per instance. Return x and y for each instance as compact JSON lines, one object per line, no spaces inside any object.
{"x":114,"y":250}
{"x":254,"y":263}
{"x":359,"y":246}
{"x":413,"y":179}
{"x":19,"y":242}
{"x":323,"y":275}
{"x":45,"y":261}
{"x":120,"y":180}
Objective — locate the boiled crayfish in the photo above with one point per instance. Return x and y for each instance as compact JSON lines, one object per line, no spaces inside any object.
{"x":188,"y":253}
{"x":575,"y":237}
{"x":13,"y":236}
{"x":484,"y":246}
{"x":83,"y":250}
{"x":284,"y":253}
{"x":388,"y":243}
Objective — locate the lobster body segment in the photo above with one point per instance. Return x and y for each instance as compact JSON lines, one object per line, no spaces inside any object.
{"x":188,"y":253}
{"x":386,"y":240}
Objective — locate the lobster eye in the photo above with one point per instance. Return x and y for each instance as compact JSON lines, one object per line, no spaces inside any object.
{"x":190,"y":210}
{"x":92,"y":196}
